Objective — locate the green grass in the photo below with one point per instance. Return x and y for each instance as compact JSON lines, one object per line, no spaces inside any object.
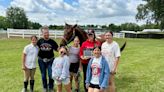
{"x":141,"y":68}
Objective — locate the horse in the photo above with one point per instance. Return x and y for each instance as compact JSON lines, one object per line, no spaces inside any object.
{"x":71,"y":31}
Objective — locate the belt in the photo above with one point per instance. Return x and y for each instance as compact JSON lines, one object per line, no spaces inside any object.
{"x":47,"y":59}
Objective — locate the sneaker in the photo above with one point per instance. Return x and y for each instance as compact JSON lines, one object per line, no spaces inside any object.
{"x":51,"y":90}
{"x":24,"y":90}
{"x":76,"y":90}
{"x":45,"y":90}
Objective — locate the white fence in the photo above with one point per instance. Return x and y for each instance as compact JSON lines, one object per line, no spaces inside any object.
{"x":28,"y":33}
{"x":53,"y":33}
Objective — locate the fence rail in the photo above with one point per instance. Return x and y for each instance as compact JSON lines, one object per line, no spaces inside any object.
{"x":53,"y":33}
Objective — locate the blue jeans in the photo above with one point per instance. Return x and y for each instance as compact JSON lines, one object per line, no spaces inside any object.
{"x":44,"y":66}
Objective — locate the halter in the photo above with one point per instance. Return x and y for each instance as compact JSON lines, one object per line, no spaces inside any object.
{"x":68,"y":41}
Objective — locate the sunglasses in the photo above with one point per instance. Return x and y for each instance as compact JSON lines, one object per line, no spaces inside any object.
{"x":62,"y":52}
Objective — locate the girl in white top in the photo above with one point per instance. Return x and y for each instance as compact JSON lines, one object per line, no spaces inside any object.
{"x":111,"y":51}
{"x":29,"y":57}
{"x":74,"y":62}
{"x":60,"y":70}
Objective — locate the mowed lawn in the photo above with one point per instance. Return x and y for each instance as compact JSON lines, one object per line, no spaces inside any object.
{"x":141,"y":68}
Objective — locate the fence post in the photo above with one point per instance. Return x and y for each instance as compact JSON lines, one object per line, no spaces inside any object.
{"x":39,"y":33}
{"x":8,"y":33}
{"x":23,"y":34}
{"x":55,"y":34}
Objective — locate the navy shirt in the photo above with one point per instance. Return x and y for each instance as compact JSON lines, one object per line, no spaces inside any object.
{"x":46,"y":48}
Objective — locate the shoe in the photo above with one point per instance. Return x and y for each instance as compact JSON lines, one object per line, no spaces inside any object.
{"x":76,"y":90}
{"x":45,"y":90}
{"x":51,"y":90}
{"x":24,"y":90}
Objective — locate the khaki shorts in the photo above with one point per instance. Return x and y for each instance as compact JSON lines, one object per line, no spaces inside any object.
{"x":65,"y":82}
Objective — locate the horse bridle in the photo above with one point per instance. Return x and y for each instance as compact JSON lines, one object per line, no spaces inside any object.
{"x":68,"y":41}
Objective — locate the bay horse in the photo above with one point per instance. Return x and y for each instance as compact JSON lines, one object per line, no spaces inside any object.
{"x":71,"y":31}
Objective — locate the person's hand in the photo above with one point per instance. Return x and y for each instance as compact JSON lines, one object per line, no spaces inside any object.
{"x":113,"y":72}
{"x":87,"y":86}
{"x":84,"y":58}
{"x":101,"y":90}
{"x":24,"y":67}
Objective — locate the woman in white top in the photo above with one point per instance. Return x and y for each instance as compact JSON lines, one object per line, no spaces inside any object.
{"x":29,"y":57}
{"x":111,"y":51}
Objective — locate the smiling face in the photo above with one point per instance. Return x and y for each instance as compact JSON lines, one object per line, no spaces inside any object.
{"x":34,"y":40}
{"x":97,"y":52}
{"x":62,"y":51}
{"x":76,"y":42}
{"x":109,"y":37}
{"x":45,"y":33}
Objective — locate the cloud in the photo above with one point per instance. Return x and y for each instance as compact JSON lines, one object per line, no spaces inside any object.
{"x":84,"y":11}
{"x":2,"y":11}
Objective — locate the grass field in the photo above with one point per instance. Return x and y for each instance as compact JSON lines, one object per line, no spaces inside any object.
{"x":141,"y":67}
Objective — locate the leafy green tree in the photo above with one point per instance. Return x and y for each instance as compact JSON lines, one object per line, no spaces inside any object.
{"x":33,"y":25}
{"x":152,"y":11}
{"x":3,"y":23}
{"x":17,"y":18}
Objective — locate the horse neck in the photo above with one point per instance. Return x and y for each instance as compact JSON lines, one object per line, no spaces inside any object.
{"x":82,"y":35}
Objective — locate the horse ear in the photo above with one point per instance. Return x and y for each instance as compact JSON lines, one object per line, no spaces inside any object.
{"x":66,"y":24}
{"x":75,"y":26}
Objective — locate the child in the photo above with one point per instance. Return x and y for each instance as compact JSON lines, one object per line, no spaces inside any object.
{"x":74,"y":62}
{"x":30,"y":53}
{"x":60,"y":70}
{"x":97,"y":72}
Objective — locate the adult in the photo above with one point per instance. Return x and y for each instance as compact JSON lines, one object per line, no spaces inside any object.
{"x":86,"y":50}
{"x":45,"y":58}
{"x":111,"y":51}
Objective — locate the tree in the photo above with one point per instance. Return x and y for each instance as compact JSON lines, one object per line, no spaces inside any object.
{"x":17,"y":18}
{"x":3,"y":23}
{"x":33,"y":25}
{"x":152,"y":11}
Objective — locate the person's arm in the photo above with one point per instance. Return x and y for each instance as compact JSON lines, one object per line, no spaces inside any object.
{"x":23,"y":61}
{"x":65,"y":70}
{"x":115,"y":65}
{"x":106,"y":71}
{"x":88,"y":74}
{"x":117,"y":58}
{"x":55,"y":46}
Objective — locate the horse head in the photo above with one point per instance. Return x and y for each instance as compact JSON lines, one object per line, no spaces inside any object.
{"x":70,"y":32}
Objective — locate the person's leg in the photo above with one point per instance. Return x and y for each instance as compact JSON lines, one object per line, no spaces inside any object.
{"x":90,"y":89}
{"x":76,"y":78}
{"x":67,"y":87}
{"x":42,"y":66}
{"x":32,"y":73}
{"x":71,"y":78}
{"x":59,"y":88}
{"x":111,"y":83}
{"x":84,"y":75}
{"x":96,"y":90}
{"x":26,"y":78}
{"x":51,"y":81}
